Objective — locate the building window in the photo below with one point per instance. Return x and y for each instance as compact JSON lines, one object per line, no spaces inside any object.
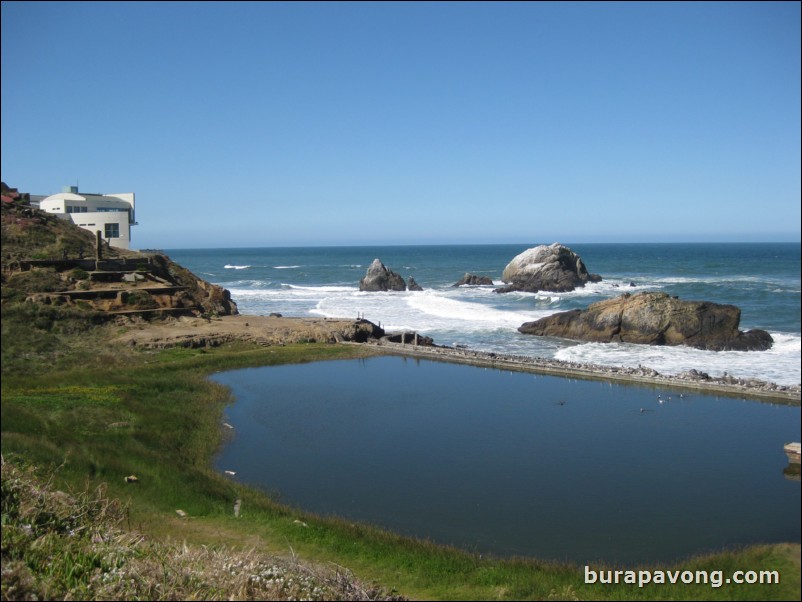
{"x":112,"y":230}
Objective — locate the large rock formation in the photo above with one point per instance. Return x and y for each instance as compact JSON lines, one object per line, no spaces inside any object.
{"x":654,"y":319}
{"x":553,"y":268}
{"x":379,"y":278}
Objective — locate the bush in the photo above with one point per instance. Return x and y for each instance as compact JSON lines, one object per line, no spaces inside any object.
{"x":141,"y":300}
{"x":42,"y":280}
{"x":79,"y":274}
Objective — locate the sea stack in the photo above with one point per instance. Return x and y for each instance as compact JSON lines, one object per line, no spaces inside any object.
{"x":554,"y":268}
{"x":379,"y":278}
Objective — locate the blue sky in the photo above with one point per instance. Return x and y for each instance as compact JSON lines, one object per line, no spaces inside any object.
{"x":273,"y":124}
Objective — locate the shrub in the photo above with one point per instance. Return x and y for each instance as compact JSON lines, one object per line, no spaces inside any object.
{"x":42,"y":280}
{"x":79,"y":274}
{"x":141,"y":300}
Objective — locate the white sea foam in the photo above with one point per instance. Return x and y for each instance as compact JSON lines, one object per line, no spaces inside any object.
{"x":779,"y":364}
{"x":436,"y":304}
{"x":604,"y":289}
{"x":244,"y":286}
{"x":322,"y":289}
{"x":716,"y":279}
{"x":285,"y":267}
{"x":786,"y":343}
{"x":236,"y":267}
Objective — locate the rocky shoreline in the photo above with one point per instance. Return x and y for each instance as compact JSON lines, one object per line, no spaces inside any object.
{"x":277,"y":330}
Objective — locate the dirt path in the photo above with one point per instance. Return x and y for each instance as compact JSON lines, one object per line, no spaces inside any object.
{"x":200,"y":332}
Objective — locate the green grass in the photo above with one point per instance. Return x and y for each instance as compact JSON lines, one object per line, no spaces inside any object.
{"x":91,"y":415}
{"x":76,"y":547}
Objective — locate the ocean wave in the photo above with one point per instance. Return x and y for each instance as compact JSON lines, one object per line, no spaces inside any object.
{"x":238,"y":293}
{"x":426,"y":312}
{"x":245,"y":285}
{"x":438,"y":305}
{"x":285,"y":267}
{"x":605,"y":289}
{"x":779,"y":364}
{"x":236,"y":267}
{"x":786,"y":343}
{"x":720,"y":280}
{"x":322,"y":289}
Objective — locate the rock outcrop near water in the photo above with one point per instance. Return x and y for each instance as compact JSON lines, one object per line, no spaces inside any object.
{"x":474,"y":280}
{"x":380,"y":278}
{"x":554,"y":268}
{"x":654,"y":319}
{"x":412,"y":285}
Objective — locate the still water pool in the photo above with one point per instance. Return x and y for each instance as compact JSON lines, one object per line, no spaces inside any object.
{"x":512,"y":463}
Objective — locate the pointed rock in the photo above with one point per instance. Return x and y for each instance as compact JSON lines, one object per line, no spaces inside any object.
{"x":379,"y":278}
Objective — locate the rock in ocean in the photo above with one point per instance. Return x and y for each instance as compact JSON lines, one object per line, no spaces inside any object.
{"x":474,"y":280}
{"x":554,"y":268}
{"x":654,"y":318}
{"x":379,"y":278}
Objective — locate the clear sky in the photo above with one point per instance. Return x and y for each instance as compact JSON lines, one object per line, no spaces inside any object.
{"x":273,"y":124}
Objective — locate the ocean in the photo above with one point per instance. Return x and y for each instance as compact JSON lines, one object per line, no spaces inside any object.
{"x":762,"y":279}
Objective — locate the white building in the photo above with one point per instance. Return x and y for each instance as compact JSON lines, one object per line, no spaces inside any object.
{"x":111,"y":214}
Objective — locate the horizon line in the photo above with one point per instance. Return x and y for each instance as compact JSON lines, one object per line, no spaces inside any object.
{"x":487,"y":244}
